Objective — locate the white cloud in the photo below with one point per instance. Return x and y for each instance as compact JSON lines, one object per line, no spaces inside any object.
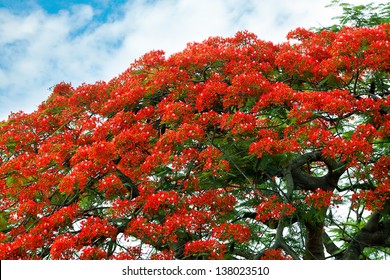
{"x":38,"y":50}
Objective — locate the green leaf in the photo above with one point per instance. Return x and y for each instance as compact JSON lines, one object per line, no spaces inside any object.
{"x":4,"y":221}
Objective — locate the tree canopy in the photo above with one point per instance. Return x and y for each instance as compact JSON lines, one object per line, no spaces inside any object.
{"x":234,"y":148}
{"x":368,"y":15}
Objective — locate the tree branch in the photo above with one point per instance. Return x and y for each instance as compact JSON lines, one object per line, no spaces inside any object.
{"x":374,"y":233}
{"x":305,"y":181}
{"x":330,"y":247}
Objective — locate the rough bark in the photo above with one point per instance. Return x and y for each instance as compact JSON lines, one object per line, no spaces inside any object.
{"x":314,"y":244}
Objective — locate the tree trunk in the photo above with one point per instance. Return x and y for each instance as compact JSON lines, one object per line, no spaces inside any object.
{"x":314,"y":243}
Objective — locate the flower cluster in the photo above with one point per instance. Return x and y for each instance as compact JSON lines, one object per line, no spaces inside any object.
{"x":320,"y":199}
{"x":273,"y":208}
{"x":237,"y":232}
{"x":211,"y":249}
{"x":275,"y":254}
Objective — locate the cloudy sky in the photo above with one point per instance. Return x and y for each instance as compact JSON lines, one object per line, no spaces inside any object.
{"x":44,"y":42}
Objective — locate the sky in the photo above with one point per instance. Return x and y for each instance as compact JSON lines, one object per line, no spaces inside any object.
{"x":45,"y":42}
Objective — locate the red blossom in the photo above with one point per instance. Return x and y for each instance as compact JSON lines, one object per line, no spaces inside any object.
{"x":275,"y":254}
{"x":321,"y":199}
{"x":273,"y":208}
{"x":237,"y":232}
{"x":211,"y":248}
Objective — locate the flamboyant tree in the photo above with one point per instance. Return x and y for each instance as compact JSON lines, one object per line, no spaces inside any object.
{"x":234,"y":148}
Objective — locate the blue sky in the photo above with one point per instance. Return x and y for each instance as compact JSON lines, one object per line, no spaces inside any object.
{"x":45,"y":42}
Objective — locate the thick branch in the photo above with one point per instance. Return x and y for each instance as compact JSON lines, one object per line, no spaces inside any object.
{"x":375,"y":233}
{"x":305,"y":181}
{"x":129,"y":184}
{"x":330,"y":247}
